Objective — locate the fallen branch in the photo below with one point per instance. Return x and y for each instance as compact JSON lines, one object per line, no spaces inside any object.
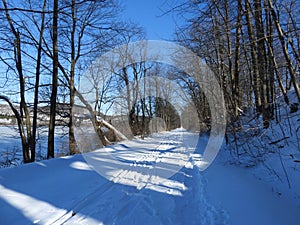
{"x":119,"y":135}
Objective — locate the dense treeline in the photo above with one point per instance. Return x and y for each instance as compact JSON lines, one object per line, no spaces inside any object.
{"x":251,"y":45}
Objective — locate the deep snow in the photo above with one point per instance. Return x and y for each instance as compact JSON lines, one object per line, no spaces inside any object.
{"x":69,"y":191}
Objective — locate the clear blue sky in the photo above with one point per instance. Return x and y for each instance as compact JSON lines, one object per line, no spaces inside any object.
{"x":148,"y":14}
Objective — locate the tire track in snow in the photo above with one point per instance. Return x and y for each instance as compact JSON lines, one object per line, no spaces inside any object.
{"x":83,"y":203}
{"x":99,"y":192}
{"x":97,"y":195}
{"x":165,"y":209}
{"x":140,"y":199}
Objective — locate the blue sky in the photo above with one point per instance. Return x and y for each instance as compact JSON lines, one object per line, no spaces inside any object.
{"x":148,"y":14}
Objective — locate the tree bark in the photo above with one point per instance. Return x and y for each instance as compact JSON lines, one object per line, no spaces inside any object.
{"x":261,"y":56}
{"x":285,"y":50}
{"x":50,"y":153}
{"x":36,"y":88}
{"x":235,"y":77}
{"x":72,"y":141}
{"x":253,"y":51}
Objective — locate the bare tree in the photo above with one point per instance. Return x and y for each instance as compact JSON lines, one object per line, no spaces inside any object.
{"x":245,"y":47}
{"x":290,"y":65}
{"x":27,"y":128}
{"x":254,"y":53}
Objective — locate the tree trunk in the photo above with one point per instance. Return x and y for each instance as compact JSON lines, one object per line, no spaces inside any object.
{"x":235,"y":77}
{"x":256,"y":79}
{"x":36,"y":88}
{"x":54,"y":83}
{"x":24,"y":124}
{"x":72,"y":141}
{"x":261,"y":56}
{"x":270,"y":62}
{"x":285,"y":50}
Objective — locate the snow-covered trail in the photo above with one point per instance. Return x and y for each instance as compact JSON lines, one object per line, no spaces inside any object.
{"x":149,"y":197}
{"x":68,"y":191}
{"x":136,"y":188}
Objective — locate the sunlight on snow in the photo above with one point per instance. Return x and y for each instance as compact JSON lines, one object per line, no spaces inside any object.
{"x":24,"y":202}
{"x":81,"y":166}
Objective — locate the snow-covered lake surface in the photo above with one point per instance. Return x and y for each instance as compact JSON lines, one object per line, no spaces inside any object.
{"x":11,"y":150}
{"x":70,"y":191}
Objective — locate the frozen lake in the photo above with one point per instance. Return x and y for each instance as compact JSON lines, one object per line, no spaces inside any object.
{"x":11,"y":150}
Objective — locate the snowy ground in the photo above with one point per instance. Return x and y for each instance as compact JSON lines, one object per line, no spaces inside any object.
{"x":70,"y":191}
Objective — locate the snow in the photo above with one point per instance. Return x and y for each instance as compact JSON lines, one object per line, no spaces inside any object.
{"x":135,"y":187}
{"x":246,"y":199}
{"x":11,"y":149}
{"x":6,"y":121}
{"x":270,"y":155}
{"x":9,"y":145}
